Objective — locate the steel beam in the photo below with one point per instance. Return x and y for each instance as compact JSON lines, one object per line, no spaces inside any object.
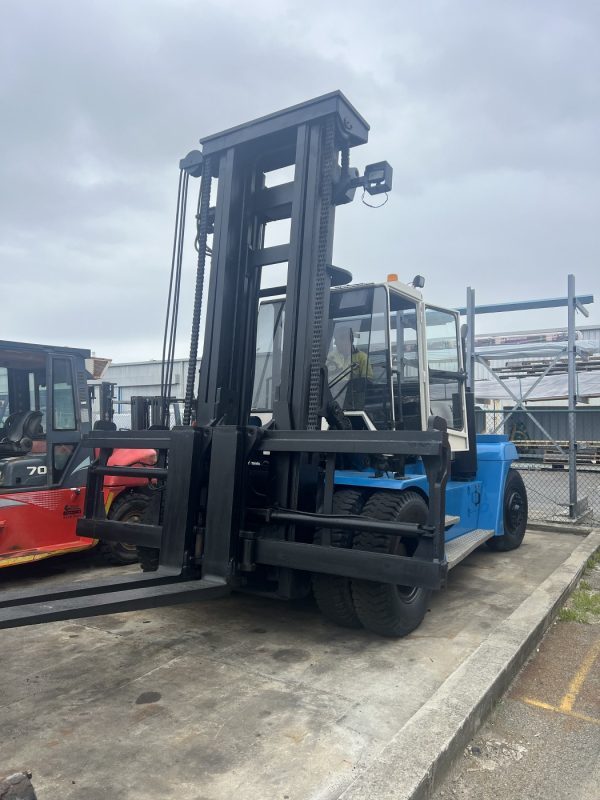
{"x":391,"y":442}
{"x":529,"y":305}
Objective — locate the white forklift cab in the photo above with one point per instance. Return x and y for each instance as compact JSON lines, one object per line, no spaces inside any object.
{"x":392,"y":361}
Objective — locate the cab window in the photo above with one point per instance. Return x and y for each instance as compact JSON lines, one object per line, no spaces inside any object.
{"x":267,"y":367}
{"x":445,"y":376}
{"x":63,"y":396}
{"x":4,"y":398}
{"x":405,"y":363}
{"x":38,"y":394}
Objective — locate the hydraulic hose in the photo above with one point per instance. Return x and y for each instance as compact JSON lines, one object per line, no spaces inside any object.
{"x":202,"y":218}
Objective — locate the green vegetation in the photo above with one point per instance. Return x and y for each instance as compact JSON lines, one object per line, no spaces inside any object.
{"x":584,"y":603}
{"x":593,"y":561}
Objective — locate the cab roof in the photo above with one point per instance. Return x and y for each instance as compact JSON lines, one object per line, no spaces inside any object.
{"x":39,"y":349}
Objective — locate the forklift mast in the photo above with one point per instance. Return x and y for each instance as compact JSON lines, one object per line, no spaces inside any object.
{"x":307,"y":138}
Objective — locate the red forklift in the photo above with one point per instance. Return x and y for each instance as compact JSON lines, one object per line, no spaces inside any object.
{"x":45,"y":409}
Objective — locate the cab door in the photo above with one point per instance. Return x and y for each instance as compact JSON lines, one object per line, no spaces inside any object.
{"x":445,"y":373}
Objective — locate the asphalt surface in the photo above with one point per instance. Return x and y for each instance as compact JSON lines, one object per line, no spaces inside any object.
{"x":543,"y":740}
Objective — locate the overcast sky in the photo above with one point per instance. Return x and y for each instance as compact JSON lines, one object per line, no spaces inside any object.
{"x":489,"y":112}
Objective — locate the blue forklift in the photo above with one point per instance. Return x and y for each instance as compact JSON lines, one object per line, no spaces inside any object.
{"x":394,"y":361}
{"x":330,"y":444}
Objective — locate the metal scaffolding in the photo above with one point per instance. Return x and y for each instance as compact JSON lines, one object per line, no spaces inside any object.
{"x":571,"y":348}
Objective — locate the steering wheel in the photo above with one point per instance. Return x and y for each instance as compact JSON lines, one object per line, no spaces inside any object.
{"x":346,"y":372}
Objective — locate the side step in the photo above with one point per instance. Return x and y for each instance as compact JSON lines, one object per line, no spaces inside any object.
{"x":451,"y":520}
{"x":460,"y":547}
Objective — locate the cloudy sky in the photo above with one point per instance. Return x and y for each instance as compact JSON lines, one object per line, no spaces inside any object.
{"x":488,"y":110}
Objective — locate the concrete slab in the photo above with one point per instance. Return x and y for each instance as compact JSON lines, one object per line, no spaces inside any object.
{"x":250,"y":695}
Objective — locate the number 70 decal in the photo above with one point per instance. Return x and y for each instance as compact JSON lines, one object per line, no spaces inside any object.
{"x":43,"y":470}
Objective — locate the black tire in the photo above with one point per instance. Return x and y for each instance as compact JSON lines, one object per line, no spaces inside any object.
{"x":515,"y":510}
{"x":382,"y":607}
{"x":128,"y":507}
{"x":333,"y":594}
{"x":149,"y":556}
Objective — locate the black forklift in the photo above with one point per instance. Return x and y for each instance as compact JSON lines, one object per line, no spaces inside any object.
{"x":263,"y":502}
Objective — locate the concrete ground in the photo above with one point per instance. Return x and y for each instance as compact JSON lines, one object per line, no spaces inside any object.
{"x":543,"y":740}
{"x":238,"y":696}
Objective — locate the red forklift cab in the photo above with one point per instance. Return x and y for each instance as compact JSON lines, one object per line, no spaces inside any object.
{"x":45,"y":410}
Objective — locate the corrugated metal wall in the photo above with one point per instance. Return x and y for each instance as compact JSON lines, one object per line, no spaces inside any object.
{"x":143,"y":378}
{"x":555,"y":420}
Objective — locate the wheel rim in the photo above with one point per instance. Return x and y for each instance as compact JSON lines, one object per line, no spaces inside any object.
{"x":133,"y":516}
{"x":515,"y":510}
{"x":407,"y":593}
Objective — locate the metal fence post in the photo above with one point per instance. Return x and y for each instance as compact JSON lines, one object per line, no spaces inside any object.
{"x":572,"y":388}
{"x":471,"y":338}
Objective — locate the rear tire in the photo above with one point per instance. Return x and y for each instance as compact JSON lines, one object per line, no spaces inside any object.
{"x":333,"y":593}
{"x":515,"y":510}
{"x":128,"y":507}
{"x":384,"y":608}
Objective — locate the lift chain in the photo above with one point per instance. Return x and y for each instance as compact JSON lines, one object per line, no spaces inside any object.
{"x":326,"y":192}
{"x":170,"y":333}
{"x":203,"y":224}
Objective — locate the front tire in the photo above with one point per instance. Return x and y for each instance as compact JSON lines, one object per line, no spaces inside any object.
{"x":515,"y":511}
{"x":128,"y":507}
{"x":149,"y":556}
{"x":384,"y":608}
{"x":333,"y":593}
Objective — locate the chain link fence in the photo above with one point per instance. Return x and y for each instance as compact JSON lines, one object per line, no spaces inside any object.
{"x":541,"y":436}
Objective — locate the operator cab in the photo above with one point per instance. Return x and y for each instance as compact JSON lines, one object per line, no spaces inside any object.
{"x":392,"y":360}
{"x":44,"y":409}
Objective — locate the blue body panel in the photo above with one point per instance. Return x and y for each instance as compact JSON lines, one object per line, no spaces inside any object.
{"x":478,"y":503}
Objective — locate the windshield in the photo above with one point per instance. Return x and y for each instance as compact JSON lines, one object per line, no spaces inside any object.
{"x":357,"y":354}
{"x":358,"y":363}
